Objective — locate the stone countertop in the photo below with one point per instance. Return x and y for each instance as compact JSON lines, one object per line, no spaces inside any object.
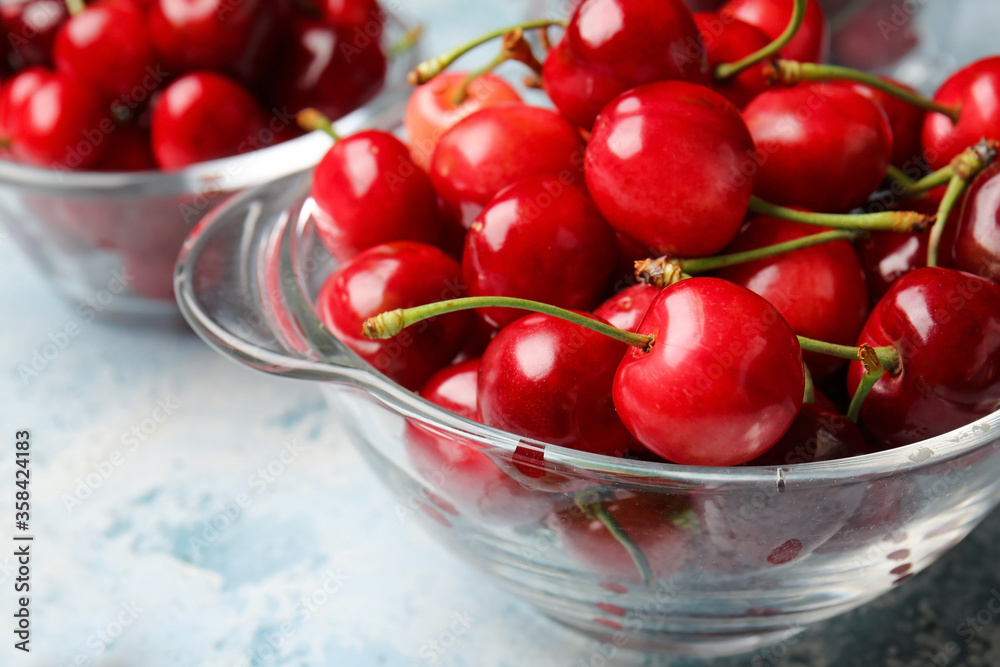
{"x":186,"y":512}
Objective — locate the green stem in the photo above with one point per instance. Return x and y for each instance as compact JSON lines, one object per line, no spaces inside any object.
{"x":463,"y":89}
{"x":312,"y":119}
{"x":888,"y":356}
{"x":590,"y":503}
{"x":893,"y":221}
{"x":406,"y":42}
{"x":390,"y":323}
{"x":896,"y":174}
{"x":873,"y":373}
{"x":956,"y":188}
{"x":74,"y":7}
{"x":515,"y":47}
{"x":728,"y":70}
{"x":791,"y":72}
{"x":931,"y":181}
{"x":809,"y":394}
{"x":705,"y":264}
{"x":430,"y":68}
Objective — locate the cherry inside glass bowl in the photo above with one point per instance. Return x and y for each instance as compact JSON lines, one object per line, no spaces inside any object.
{"x":109,"y":241}
{"x":734,"y":557}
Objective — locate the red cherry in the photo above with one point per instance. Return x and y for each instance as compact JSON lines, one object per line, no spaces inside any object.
{"x":906,"y":121}
{"x":816,"y":435}
{"x":664,"y":166}
{"x":611,"y":46}
{"x":541,"y":240}
{"x":873,"y":37}
{"x":820,"y":291}
{"x":128,"y":150}
{"x":651,"y":520}
{"x":810,"y":44}
{"x":804,"y":158}
{"x":353,"y":14}
{"x":106,"y":46}
{"x":396,"y":275}
{"x":945,"y":325}
{"x":496,"y":146}
{"x":550,"y":380}
{"x":368,"y":191}
{"x":458,"y":469}
{"x":976,"y":90}
{"x":626,"y":309}
{"x":723,"y":381}
{"x":727,"y":40}
{"x":62,"y":124}
{"x":431,"y":110}
{"x":204,"y":116}
{"x":232,"y":37}
{"x":885,"y":256}
{"x":14,"y":94}
{"x":326,"y":68}
{"x":31,"y":27}
{"x":974,"y":245}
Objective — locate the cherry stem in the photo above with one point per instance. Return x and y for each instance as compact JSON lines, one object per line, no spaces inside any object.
{"x":406,"y":42}
{"x":896,"y":174}
{"x":74,"y":7}
{"x":809,"y":393}
{"x":891,"y":221}
{"x":430,"y":68}
{"x":873,"y":373}
{"x":515,"y":47}
{"x":312,"y":119}
{"x":888,"y":356}
{"x":590,"y":503}
{"x":791,"y":72}
{"x":965,"y":167}
{"x":390,"y":323}
{"x":665,"y":271}
{"x":729,"y":70}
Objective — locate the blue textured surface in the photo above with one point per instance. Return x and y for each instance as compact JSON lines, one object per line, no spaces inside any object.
{"x":239,"y":531}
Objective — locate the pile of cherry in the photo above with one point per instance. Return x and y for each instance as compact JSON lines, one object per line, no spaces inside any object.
{"x":747,"y":183}
{"x":131,"y":85}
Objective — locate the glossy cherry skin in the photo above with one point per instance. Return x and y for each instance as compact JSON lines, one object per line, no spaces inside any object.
{"x":550,"y":380}
{"x":810,"y":44}
{"x":326,"y":68}
{"x":107,"y":46}
{"x":976,"y":89}
{"x":611,"y":46}
{"x":626,"y":309}
{"x":820,"y":291}
{"x":457,"y":468}
{"x":975,"y":243}
{"x":664,"y":166}
{"x":368,"y":192}
{"x":496,"y":146}
{"x":204,"y":116}
{"x":728,"y":40}
{"x":816,"y":435}
{"x":945,"y":325}
{"x":232,"y":37}
{"x":62,"y":124}
{"x":804,"y":158}
{"x":906,"y":121}
{"x":431,"y":110}
{"x":653,"y":521}
{"x":352,"y":13}
{"x":885,"y":256}
{"x":14,"y":94}
{"x":31,"y":27}
{"x":541,"y":240}
{"x":389,"y":276}
{"x":723,"y":381}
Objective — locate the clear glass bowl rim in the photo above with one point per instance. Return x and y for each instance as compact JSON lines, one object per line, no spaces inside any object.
{"x":964,"y":440}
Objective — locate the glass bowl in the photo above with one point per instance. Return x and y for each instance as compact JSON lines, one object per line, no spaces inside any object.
{"x":736,"y":557}
{"x":111,"y":239}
